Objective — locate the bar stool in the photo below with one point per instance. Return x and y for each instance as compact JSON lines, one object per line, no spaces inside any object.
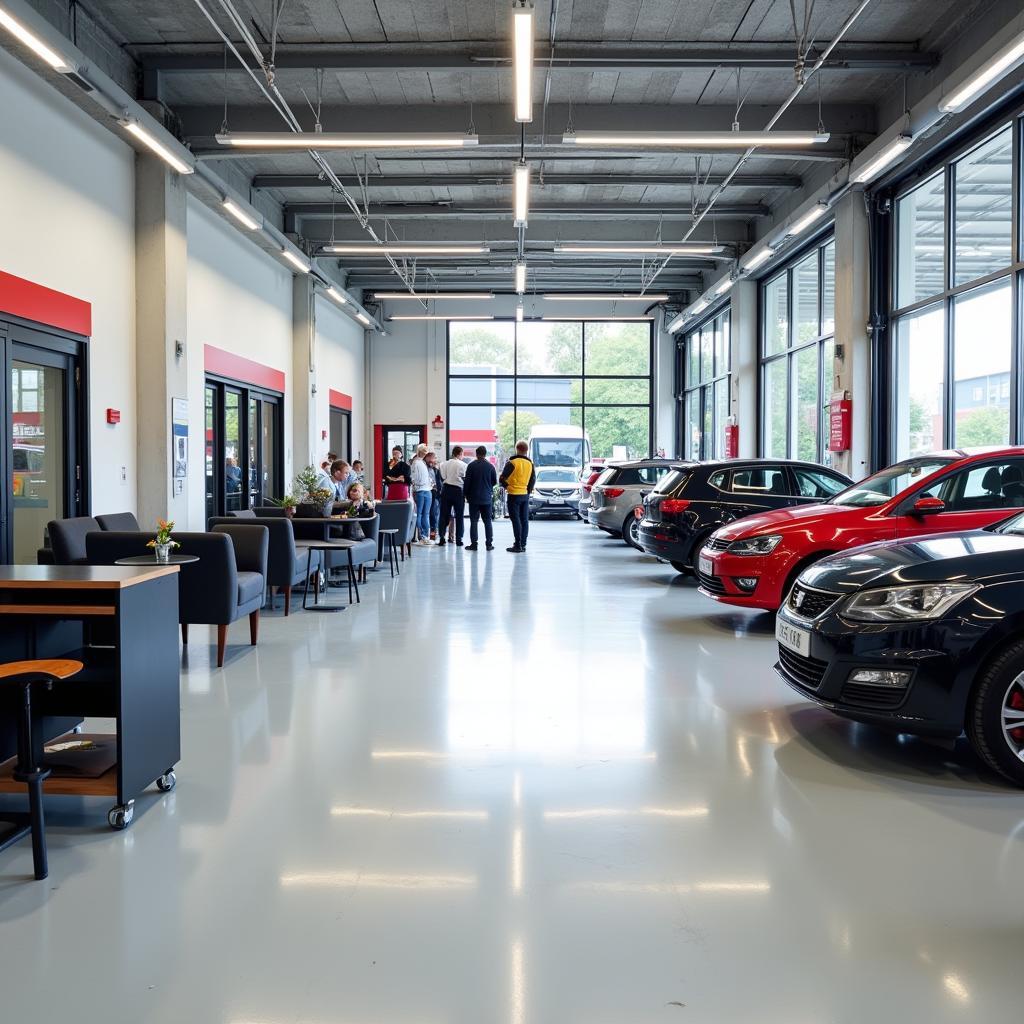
{"x":23,"y":675}
{"x":388,"y":540}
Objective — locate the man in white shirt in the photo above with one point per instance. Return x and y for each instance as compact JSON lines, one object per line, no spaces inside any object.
{"x":453,"y":504}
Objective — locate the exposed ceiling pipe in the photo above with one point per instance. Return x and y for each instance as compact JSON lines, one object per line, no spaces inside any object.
{"x":776,"y":117}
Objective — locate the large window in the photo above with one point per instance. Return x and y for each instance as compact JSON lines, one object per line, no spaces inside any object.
{"x":505,"y":379}
{"x":953,"y":325}
{"x":797,"y":357}
{"x":706,"y":389}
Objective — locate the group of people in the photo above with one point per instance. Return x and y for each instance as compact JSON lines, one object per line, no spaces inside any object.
{"x":345,"y":481}
{"x":442,"y":491}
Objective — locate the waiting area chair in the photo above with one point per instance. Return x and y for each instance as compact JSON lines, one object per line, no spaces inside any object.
{"x":400,"y":515}
{"x":67,"y":539}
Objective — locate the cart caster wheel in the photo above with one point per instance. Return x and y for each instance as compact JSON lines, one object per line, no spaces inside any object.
{"x":120,"y":817}
{"x":166,"y":782}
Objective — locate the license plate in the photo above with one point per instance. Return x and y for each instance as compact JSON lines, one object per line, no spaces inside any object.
{"x":705,"y":566}
{"x":557,"y":501}
{"x":793,"y":637}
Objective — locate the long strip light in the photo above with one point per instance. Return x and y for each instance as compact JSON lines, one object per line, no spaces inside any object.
{"x":598,"y":319}
{"x":362,"y":318}
{"x":755,"y":259}
{"x":406,"y":249}
{"x":520,"y":278}
{"x":723,"y":287}
{"x":677,"y":322}
{"x":626,"y":249}
{"x":335,"y":294}
{"x":152,"y":143}
{"x":886,"y":158}
{"x":522,"y":59}
{"x":231,"y":207}
{"x":698,"y":307}
{"x":711,"y":140}
{"x":346,"y":140}
{"x":438,"y":316}
{"x":34,"y":43}
{"x":812,"y":216}
{"x":417,"y":296}
{"x":603,"y":297}
{"x":519,"y":312}
{"x":298,"y":262}
{"x":521,"y":195}
{"x":999,"y":64}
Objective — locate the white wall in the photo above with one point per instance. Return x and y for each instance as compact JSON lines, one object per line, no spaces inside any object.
{"x":239,"y":300}
{"x":340,"y":348}
{"x":67,"y":222}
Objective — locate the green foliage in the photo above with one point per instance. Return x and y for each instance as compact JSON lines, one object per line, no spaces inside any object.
{"x":508,"y":425}
{"x":981,"y":427}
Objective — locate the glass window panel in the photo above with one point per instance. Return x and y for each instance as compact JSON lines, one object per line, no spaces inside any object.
{"x":993,"y":486}
{"x":493,"y":426}
{"x":920,"y":242}
{"x":806,"y":406}
{"x":475,"y":390}
{"x":774,"y":408}
{"x":691,"y":441}
{"x":981,"y":364}
{"x":618,"y":348}
{"x":233,"y":493}
{"x":776,"y":316}
{"x":555,"y":348}
{"x":629,"y":391}
{"x":480,"y":348}
{"x":211,"y":501}
{"x":828,"y":297}
{"x":708,"y":440}
{"x":693,"y":359}
{"x":548,"y":390}
{"x":919,"y":381}
{"x":983,"y":196}
{"x":621,"y":432}
{"x":271,"y":480}
{"x":805,"y":298}
{"x":722,"y":345}
{"x":828,"y":361}
{"x":816,"y":485}
{"x":764,"y":480}
{"x":253,"y":462}
{"x":721,"y":415}
{"x":707,"y":352}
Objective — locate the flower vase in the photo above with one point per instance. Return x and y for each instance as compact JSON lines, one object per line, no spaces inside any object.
{"x":163,"y":552}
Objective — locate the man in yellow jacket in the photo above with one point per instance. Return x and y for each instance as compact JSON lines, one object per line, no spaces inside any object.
{"x":518,"y":478}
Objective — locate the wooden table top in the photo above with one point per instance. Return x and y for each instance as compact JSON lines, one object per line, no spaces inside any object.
{"x":79,"y":577}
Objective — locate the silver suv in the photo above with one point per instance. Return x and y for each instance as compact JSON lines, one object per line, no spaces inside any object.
{"x":619,"y":490}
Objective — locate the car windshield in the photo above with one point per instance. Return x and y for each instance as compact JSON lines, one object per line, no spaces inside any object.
{"x":556,"y":476}
{"x":671,"y":480}
{"x":878,"y":488}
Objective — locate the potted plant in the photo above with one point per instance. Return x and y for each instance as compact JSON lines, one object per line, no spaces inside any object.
{"x":314,"y":500}
{"x":162,"y":543}
{"x":288,"y":504}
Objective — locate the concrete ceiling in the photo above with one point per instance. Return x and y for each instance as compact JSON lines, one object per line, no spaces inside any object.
{"x":398,"y":65}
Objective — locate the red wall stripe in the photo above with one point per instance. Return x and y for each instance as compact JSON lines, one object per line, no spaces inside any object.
{"x":44,"y":305}
{"x":248,"y":371}
{"x":339,"y":400}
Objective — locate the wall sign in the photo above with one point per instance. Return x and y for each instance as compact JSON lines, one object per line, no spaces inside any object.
{"x":179,"y":436}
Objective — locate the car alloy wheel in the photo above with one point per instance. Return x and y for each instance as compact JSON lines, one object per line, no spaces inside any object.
{"x":1013,"y":716}
{"x":994,"y":717}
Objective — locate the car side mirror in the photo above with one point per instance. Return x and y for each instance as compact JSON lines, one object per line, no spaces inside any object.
{"x":928,"y":506}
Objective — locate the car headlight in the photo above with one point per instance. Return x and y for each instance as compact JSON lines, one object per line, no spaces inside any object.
{"x":755,"y":545}
{"x":907,"y":604}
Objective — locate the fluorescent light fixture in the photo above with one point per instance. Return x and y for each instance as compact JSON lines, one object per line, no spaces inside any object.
{"x":755,"y":259}
{"x":812,"y":216}
{"x":723,"y":287}
{"x":437,"y":316}
{"x":519,"y":312}
{"x":698,"y":307}
{"x":520,"y":278}
{"x":711,"y":140}
{"x":626,"y":249}
{"x":300,"y":263}
{"x":602,"y":297}
{"x":888,"y":156}
{"x":156,"y":146}
{"x":599,"y":319}
{"x":676,"y":323}
{"x":337,"y":296}
{"x":241,"y":216}
{"x":522,"y":59}
{"x":521,"y":195}
{"x":991,"y":71}
{"x":346,"y":140}
{"x":34,"y":43}
{"x":362,"y":318}
{"x":417,"y":296}
{"x":406,"y":249}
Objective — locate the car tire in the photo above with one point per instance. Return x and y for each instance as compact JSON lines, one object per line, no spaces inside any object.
{"x":682,"y":567}
{"x":629,"y":532}
{"x":999,"y":687}
{"x":698,"y":546}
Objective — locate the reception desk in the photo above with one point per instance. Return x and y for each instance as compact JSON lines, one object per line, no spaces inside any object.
{"x":122,"y":624}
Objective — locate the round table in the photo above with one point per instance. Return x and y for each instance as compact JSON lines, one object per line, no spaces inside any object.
{"x":151,"y":560}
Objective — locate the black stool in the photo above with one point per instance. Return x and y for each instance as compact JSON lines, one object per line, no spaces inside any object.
{"x":23,"y":675}
{"x":387,"y":538}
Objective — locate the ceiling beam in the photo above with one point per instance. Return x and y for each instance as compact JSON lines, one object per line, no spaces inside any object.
{"x":502,"y":177}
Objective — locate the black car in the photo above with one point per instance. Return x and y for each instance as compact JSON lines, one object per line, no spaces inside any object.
{"x":695,"y":499}
{"x":922,"y":636}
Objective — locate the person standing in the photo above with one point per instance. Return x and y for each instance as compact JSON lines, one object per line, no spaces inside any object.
{"x":435,"y":494}
{"x":453,"y":501}
{"x":422,"y":485}
{"x":478,"y":488}
{"x":518,"y":478}
{"x":397,"y":477}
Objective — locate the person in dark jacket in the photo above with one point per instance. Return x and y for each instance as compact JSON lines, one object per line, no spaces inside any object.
{"x":478,"y":488}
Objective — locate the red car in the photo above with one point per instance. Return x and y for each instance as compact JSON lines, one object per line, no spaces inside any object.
{"x":754,"y":561}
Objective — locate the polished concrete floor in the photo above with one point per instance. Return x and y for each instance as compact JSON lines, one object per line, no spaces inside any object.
{"x":547,"y":789}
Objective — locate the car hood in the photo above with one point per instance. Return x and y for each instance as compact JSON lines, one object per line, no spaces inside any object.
{"x":780,"y":520}
{"x":933,"y":558}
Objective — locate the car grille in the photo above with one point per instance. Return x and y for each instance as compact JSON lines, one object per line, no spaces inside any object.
{"x":812,"y":603}
{"x":859,"y":696}
{"x":717,"y":544}
{"x":807,"y":672}
{"x":712,"y":584}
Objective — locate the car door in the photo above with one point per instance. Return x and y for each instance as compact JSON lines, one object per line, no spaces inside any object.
{"x":973,"y":497}
{"x":764,"y":487}
{"x":813,"y":486}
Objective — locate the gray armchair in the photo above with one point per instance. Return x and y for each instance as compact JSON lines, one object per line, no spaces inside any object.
{"x":123,"y":521}
{"x":401,"y":516}
{"x":67,"y":539}
{"x":226,"y":583}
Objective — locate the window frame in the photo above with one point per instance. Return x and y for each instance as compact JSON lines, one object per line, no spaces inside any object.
{"x":702,"y":391}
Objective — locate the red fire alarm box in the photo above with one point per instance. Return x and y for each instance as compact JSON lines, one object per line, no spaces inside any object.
{"x":113,"y":415}
{"x":732,"y":438}
{"x":839,"y":416}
